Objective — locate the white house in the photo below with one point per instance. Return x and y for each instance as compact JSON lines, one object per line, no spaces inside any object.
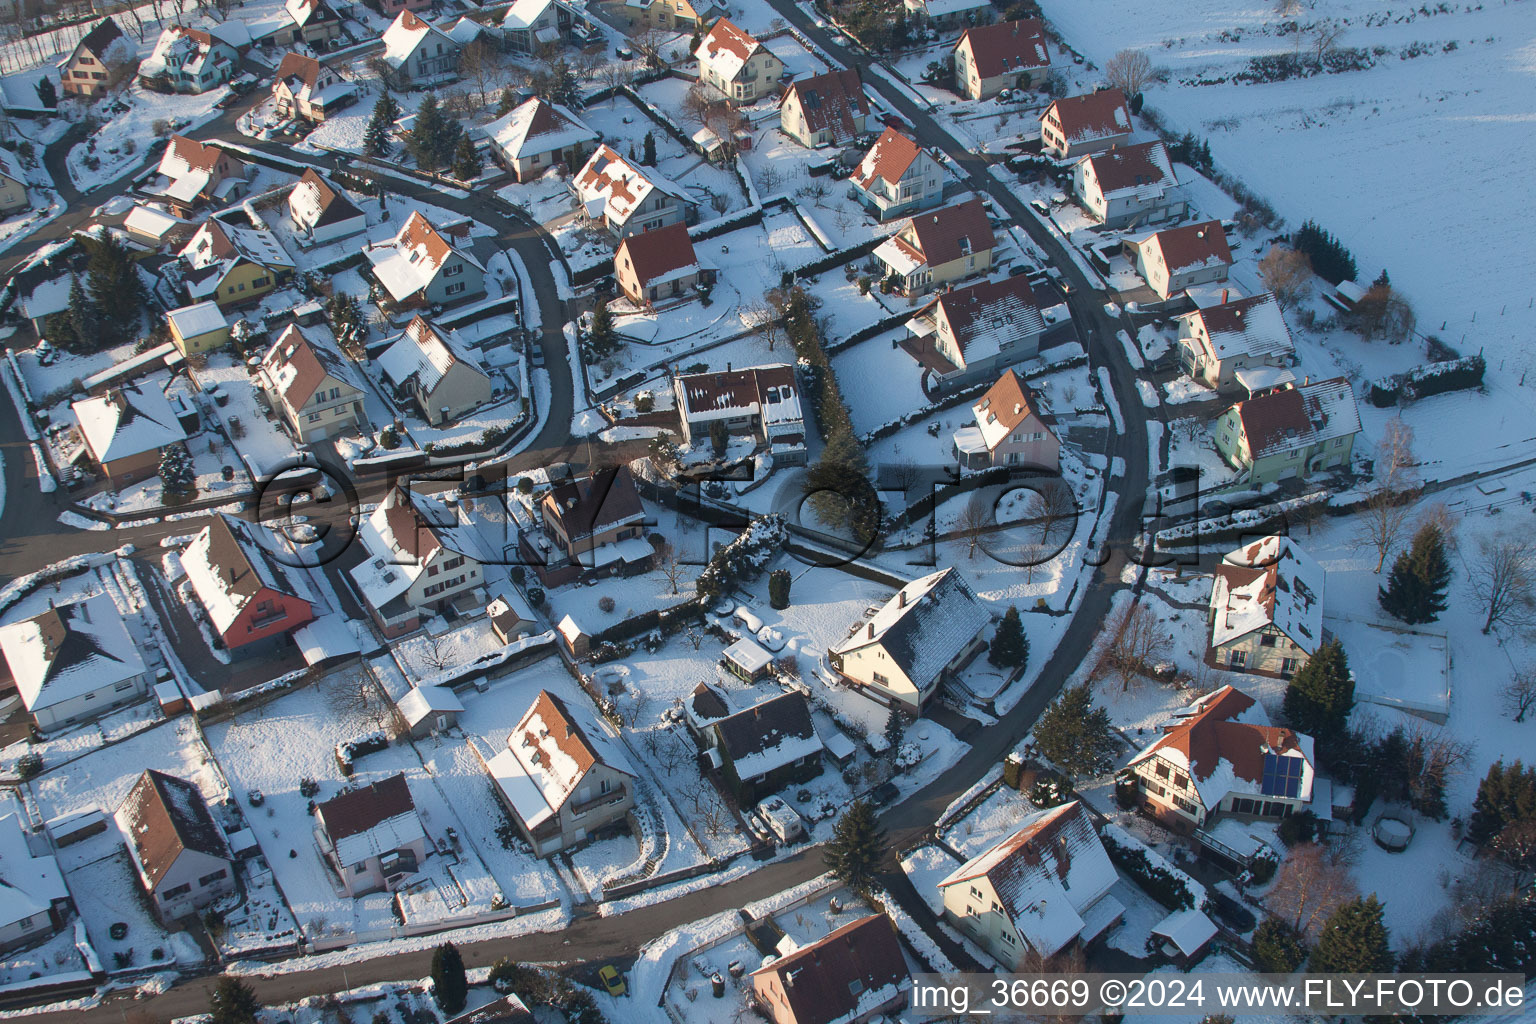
{"x":436,"y":370}
{"x":303,"y":87}
{"x":191,"y":173}
{"x":316,"y":391}
{"x":1005,"y":55}
{"x":920,"y":638}
{"x":531,"y":25}
{"x":763,"y":401}
{"x":181,"y":855}
{"x":421,"y":554}
{"x":896,"y":177}
{"x":1240,"y":343}
{"x":538,"y":135}
{"x":1266,"y":613}
{"x":419,"y":51}
{"x":1176,"y":259}
{"x":421,"y":266}
{"x":372,"y":836}
{"x":190,"y":59}
{"x":33,"y":897}
{"x":320,"y":212}
{"x":1129,"y":185}
{"x":825,"y":109}
{"x":1075,"y":125}
{"x":73,"y":663}
{"x":626,"y":199}
{"x":736,"y":65}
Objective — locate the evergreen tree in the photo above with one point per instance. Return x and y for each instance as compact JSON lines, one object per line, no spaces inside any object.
{"x":1502,"y":938}
{"x":1505,"y":797}
{"x":1076,"y":736}
{"x":434,"y":135}
{"x":507,"y":103}
{"x":1330,"y":260}
{"x":557,"y":85}
{"x":895,"y":729}
{"x":1382,"y":280}
{"x":1320,"y":696}
{"x":1010,"y":646}
{"x":449,"y":984}
{"x":47,"y":95}
{"x":112,"y":279}
{"x":601,"y":336}
{"x":1354,"y":941}
{"x":79,"y":328}
{"x":466,"y":160}
{"x":233,"y":1002}
{"x":719,"y":438}
{"x":1277,"y":947}
{"x":178,"y":480}
{"x":858,"y":843}
{"x":648,"y":150}
{"x":376,"y":136}
{"x":778,"y":588}
{"x":1415,"y":590}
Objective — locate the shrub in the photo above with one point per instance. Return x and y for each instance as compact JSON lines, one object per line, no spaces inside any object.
{"x":536,"y":597}
{"x":308,"y":787}
{"x":605,"y":603}
{"x":778,"y":588}
{"x":29,"y":765}
{"x":1157,"y":881}
{"x":1277,"y":947}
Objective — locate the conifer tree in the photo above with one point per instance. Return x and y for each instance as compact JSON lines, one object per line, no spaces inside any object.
{"x":858,"y":843}
{"x":376,"y":136}
{"x":112,"y":280}
{"x":434,"y":136}
{"x":1416,"y":586}
{"x":466,"y":160}
{"x":1354,"y":941}
{"x":648,"y":150}
{"x":233,"y":1002}
{"x":1010,"y":646}
{"x":449,"y":984}
{"x":1076,"y":736}
{"x":1321,"y":695}
{"x":895,"y":730}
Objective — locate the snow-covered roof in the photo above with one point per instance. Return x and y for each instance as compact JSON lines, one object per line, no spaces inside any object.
{"x":548,"y":754}
{"x":304,"y":11}
{"x":924,"y":626}
{"x":1007,"y":47}
{"x":421,"y":702}
{"x":402,"y":536}
{"x":725,"y":49}
{"x":1142,"y":172}
{"x":69,"y":651}
{"x":232,"y":562}
{"x":892,"y":155}
{"x":424,"y":354}
{"x":525,"y":13}
{"x":405,"y":34}
{"x":899,"y":256}
{"x":845,"y":976}
{"x":371,"y":821}
{"x":611,"y":184}
{"x":188,"y":50}
{"x":125,"y":421}
{"x":1189,"y":930}
{"x":1269,"y":582}
{"x":1189,"y":247}
{"x":412,"y":259}
{"x":990,"y":317}
{"x":767,"y":391}
{"x":1299,"y":417}
{"x":1251,"y":326}
{"x":748,"y":656}
{"x":1047,"y":875}
{"x":1090,"y":117}
{"x":29,"y":883}
{"x":197,"y":319}
{"x":538,"y":126}
{"x":315,"y":202}
{"x":156,"y":223}
{"x":768,"y":735}
{"x":190,"y":168}
{"x":218,"y":247}
{"x":1002,"y":409}
{"x":162,"y":816}
{"x":296,"y":366}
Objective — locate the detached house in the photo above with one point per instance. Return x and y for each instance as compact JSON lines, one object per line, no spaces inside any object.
{"x":125,"y":429}
{"x":1041,"y":892}
{"x":303,"y":87}
{"x":314,"y":23}
{"x":254,"y":596}
{"x":1266,"y":609}
{"x":763,"y":401}
{"x":1175,"y":259}
{"x":200,"y":327}
{"x":179,"y":851}
{"x":824,"y":110}
{"x":190,"y":60}
{"x":73,"y":663}
{"x":1240,"y":344}
{"x":192,"y":173}
{"x":768,"y":746}
{"x":1221,"y":755}
{"x":539,"y":135}
{"x":232,"y":264}
{"x":850,"y":976}
{"x":938,"y":248}
{"x":89,"y":68}
{"x":561,"y":781}
{"x":321,"y":212}
{"x":682,"y":15}
{"x":592,"y":523}
{"x":419,"y":51}
{"x":437,"y":371}
{"x":735,"y":65}
{"x":947,"y":14}
{"x":394,"y":7}
{"x":896,"y":177}
{"x":372,"y":836}
{"x":1129,"y":185}
{"x":420,"y":556}
{"x":1292,"y":431}
{"x":625,"y":199}
{"x":922,"y":636}
{"x":1077,"y":125}
{"x":312,"y":387}
{"x":33,"y":897}
{"x":530,"y":25}
{"x":420,"y":266}
{"x":968,"y":334}
{"x":658,"y":265}
{"x":1010,"y":430}
{"x":1007,"y":55}
{"x":13,"y":185}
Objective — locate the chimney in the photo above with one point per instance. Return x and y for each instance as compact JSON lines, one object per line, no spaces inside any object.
{"x":85,"y":612}
{"x":1224,"y":296}
{"x":871,"y":630}
{"x":901,"y":599}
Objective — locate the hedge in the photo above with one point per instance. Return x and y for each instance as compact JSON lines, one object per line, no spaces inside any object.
{"x":1158,"y":882}
{"x":1433,"y":379}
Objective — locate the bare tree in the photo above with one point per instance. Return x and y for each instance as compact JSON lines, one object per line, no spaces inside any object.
{"x":672,"y":570}
{"x":480,"y":63}
{"x":763,"y":320}
{"x":1383,"y":312}
{"x":1132,"y":644}
{"x":615,"y":77}
{"x":1387,"y":503}
{"x":1517,"y":843}
{"x":1447,"y":522}
{"x":975,"y":519}
{"x":1503,"y":577}
{"x":1311,"y":886}
{"x":353,"y":696}
{"x":1439,"y":757}
{"x":434,"y":652}
{"x":1519,"y":693}
{"x":1129,"y":71}
{"x":636,"y":708}
{"x":696,"y":104}
{"x":1052,"y":504}
{"x":1325,"y":36}
{"x":1308,"y":514}
{"x":1285,"y":272}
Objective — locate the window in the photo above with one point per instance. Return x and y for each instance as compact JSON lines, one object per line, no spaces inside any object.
{"x":1292,"y":454}
{"x":1238,"y":659}
{"x":261,"y":282}
{"x":433,"y":570}
{"x":881,"y":680}
{"x":214,"y":877}
{"x":1008,"y":937}
{"x":1180,"y":781}
{"x":177,"y":891}
{"x":126,"y":684}
{"x":455,"y":269}
{"x":358,"y":869}
{"x":1287,"y":666}
{"x":976,"y":893}
{"x":1338,"y":442}
{"x":313,"y":417}
{"x":454,"y":563}
{"x":1185,"y":805}
{"x":855,"y":986}
{"x":1267,"y":640}
{"x":1162,"y":771}
{"x":87,"y":60}
{"x":455,"y":288}
{"x":25,"y":923}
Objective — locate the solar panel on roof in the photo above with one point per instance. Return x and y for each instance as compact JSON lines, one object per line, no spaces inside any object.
{"x":1282,"y":776}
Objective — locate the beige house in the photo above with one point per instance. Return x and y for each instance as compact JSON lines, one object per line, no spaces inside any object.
{"x":125,"y":429}
{"x":1007,"y":55}
{"x":763,"y":401}
{"x":99,"y":55}
{"x":1010,"y":430}
{"x":13,"y":185}
{"x":1077,"y":125}
{"x":178,"y":850}
{"x":1129,"y":185}
{"x":312,"y":387}
{"x":969,"y":334}
{"x":1041,"y":892}
{"x":626,"y":199}
{"x":921,"y":637}
{"x":537,"y":136}
{"x":896,"y":177}
{"x":1290,"y":431}
{"x":1238,"y":344}
{"x":737,"y":66}
{"x":1266,"y":609}
{"x":658,"y":265}
{"x":560,"y":780}
{"x":437,"y":371}
{"x":851,"y":975}
{"x":420,"y":555}
{"x":1178,"y":258}
{"x":192,"y":173}
{"x":824,"y":110}
{"x":680,"y":15}
{"x":320,"y":212}
{"x":938,"y":248}
{"x":34,"y":901}
{"x":372,"y":836}
{"x":303,"y":87}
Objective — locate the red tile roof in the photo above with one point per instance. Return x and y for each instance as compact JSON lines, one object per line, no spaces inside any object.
{"x":830,"y":102}
{"x":1193,"y":245}
{"x":949,"y":233}
{"x":657,"y":252}
{"x":826,"y":980}
{"x":724,"y":35}
{"x":1214,"y":735}
{"x":889,"y":158}
{"x":1007,"y":47}
{"x":195,"y":154}
{"x":1009,"y":400}
{"x":298,"y":65}
{"x":1131,"y":166}
{"x":1097,"y":115}
{"x":359,"y":810}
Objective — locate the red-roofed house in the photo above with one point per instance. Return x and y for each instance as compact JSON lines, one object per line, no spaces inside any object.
{"x":1174,"y":259}
{"x":626,"y":199}
{"x":1221,"y":755}
{"x":1010,"y":430}
{"x":420,"y":553}
{"x":897,"y":176}
{"x":252,"y":596}
{"x":847,"y":977}
{"x":321,"y":212}
{"x":312,"y":387}
{"x":737,"y":66}
{"x":937,"y":248}
{"x":192,"y":172}
{"x":1292,"y":431}
{"x":89,"y":68}
{"x":1266,"y":609}
{"x":657,"y":265}
{"x":1007,"y":55}
{"x":1129,"y":185}
{"x":1242,"y":343}
{"x":303,"y":87}
{"x":968,"y":334}
{"x":1078,"y":125}
{"x":372,"y":837}
{"x":421,"y":266}
{"x":823,"y":110}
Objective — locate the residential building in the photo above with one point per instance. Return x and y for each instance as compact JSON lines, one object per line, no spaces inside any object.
{"x":949,"y":14}
{"x":825,"y":110}
{"x":1005,"y":55}
{"x":853,"y":975}
{"x":200,"y":327}
{"x":179,"y":852}
{"x":125,"y":429}
{"x":315,"y":391}
{"x":33,"y":897}
{"x":193,"y":173}
{"x":561,"y":781}
{"x":436,"y":370}
{"x":320,"y":212}
{"x":421,"y":555}
{"x":763,"y":401}
{"x":1240,"y":344}
{"x":737,"y":66}
{"x":428,"y":710}
{"x":1266,"y":613}
{"x":940,"y":247}
{"x":303,"y":87}
{"x":592,"y":523}
{"x":420,"y":266}
{"x":372,"y":836}
{"x":1129,"y":185}
{"x":314,"y":23}
{"x":1175,"y":259}
{"x":531,"y":25}
{"x":896,"y":177}
{"x":1293,"y":431}
{"x":657,"y":265}
{"x":507,"y":1009}
{"x":762,"y":749}
{"x":967,"y":335}
{"x":1075,"y":126}
{"x":1042,"y":892}
{"x":625,"y":199}
{"x":249,"y":584}
{"x":393,"y":7}
{"x":419,"y":51}
{"x":156,"y":228}
{"x":190,"y":60}
{"x":73,"y":663}
{"x":233,"y":264}
{"x":1220,"y":755}
{"x":683,"y":16}
{"x":511,"y":618}
{"x":918,"y":640}
{"x":101,"y":53}
{"x":537,"y":136}
{"x":1010,"y":430}
{"x":13,"y":185}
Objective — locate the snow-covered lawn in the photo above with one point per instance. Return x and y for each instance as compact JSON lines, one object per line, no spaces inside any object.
{"x":262,"y":444}
{"x":124,"y":141}
{"x":993,"y":820}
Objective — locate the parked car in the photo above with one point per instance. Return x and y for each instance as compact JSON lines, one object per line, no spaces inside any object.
{"x":885,"y":794}
{"x":1236,"y":916}
{"x":612,"y":980}
{"x":226,"y":102}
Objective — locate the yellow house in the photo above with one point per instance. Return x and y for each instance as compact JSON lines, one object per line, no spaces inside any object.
{"x":233,"y":265}
{"x":198,"y":328}
{"x":89,"y":68}
{"x":1007,"y":55}
{"x":738,"y":67}
{"x":938,"y":248}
